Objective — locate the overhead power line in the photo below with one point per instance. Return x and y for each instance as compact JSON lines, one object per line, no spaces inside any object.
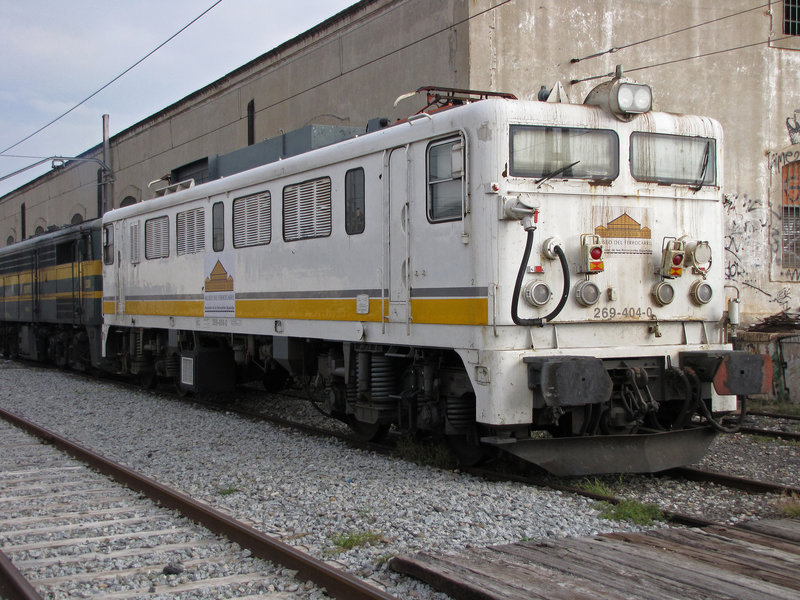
{"x":663,"y":35}
{"x":133,"y":66}
{"x":685,"y":58}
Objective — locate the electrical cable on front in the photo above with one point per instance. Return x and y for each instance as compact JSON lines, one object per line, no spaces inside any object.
{"x":539,"y":322}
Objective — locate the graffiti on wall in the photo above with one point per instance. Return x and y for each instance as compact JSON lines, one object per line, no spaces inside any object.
{"x":778,"y":160}
{"x":752,"y":226}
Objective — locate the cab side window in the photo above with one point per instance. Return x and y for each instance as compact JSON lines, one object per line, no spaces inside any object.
{"x":108,"y":244}
{"x":354,"y":201}
{"x":445,"y":180}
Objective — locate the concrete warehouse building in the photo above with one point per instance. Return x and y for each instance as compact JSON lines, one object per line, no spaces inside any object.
{"x":736,"y":61}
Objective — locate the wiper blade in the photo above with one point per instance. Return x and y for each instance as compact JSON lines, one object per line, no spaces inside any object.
{"x":703,"y":169}
{"x":554,"y":173}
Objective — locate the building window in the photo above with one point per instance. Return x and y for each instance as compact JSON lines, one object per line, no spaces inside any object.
{"x":191,"y":231}
{"x":77,"y":219}
{"x":218,"y":226}
{"x":156,"y":238}
{"x":251,"y":122}
{"x":790,"y":216}
{"x":307,"y":210}
{"x":354,"y":201}
{"x":9,"y":240}
{"x":108,"y":244}
{"x":445,"y":170}
{"x":252,"y":220}
{"x":127,"y":201}
{"x":791,"y":17}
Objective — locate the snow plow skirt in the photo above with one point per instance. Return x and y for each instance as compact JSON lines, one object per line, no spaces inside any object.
{"x":593,"y":455}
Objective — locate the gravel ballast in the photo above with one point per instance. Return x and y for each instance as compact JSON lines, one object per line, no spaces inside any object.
{"x":315,"y":493}
{"x":319,"y":494}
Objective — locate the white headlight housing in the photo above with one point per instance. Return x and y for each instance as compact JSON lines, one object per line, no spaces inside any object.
{"x":622,"y":97}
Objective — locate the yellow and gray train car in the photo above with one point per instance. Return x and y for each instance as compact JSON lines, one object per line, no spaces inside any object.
{"x":50,"y":297}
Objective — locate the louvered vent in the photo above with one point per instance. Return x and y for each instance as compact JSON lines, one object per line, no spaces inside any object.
{"x":307,"y":210}
{"x":252,"y":220}
{"x":191,"y":231}
{"x":156,"y":238}
{"x":136,"y":256}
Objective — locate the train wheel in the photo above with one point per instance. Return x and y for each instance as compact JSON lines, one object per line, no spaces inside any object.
{"x":468,"y":451}
{"x":183,"y":393}
{"x":275,"y":378}
{"x":148,"y":379}
{"x":366,"y":432}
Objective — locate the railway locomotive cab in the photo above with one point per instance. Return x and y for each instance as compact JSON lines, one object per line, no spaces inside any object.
{"x":537,"y":277}
{"x":50,"y":297}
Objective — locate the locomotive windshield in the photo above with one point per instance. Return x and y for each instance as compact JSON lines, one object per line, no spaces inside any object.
{"x":564,"y":152}
{"x":673,"y":159}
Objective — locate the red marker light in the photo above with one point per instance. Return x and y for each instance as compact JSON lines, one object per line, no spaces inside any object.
{"x":677,"y":259}
{"x":596,"y":252}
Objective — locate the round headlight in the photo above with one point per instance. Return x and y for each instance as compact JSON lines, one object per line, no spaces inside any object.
{"x":701,"y":292}
{"x":625,"y":98}
{"x":587,"y":293}
{"x":642,"y":98}
{"x":664,"y":293}
{"x":537,"y":293}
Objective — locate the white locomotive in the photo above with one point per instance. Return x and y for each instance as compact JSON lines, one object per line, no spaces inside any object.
{"x":486,"y":270}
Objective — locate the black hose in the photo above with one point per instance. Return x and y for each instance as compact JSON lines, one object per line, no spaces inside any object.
{"x":690,"y":399}
{"x":539,"y":322}
{"x":706,"y":412}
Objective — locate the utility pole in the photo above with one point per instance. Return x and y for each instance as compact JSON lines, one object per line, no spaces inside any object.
{"x":106,"y":173}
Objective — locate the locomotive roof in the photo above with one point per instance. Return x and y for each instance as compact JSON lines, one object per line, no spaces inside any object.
{"x":51,"y":237}
{"x":473,"y":116}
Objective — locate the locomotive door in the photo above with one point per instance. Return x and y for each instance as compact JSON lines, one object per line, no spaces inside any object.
{"x":397,"y":235}
{"x":119,"y":293}
{"x":82,"y":251}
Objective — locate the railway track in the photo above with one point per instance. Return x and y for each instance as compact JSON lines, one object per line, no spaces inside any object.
{"x":772,"y":433}
{"x":786,"y":427}
{"x":72,"y":532}
{"x":773,"y":415}
{"x":741,"y":483}
{"x":243,"y":406}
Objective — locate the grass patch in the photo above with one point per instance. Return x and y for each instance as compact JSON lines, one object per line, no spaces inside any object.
{"x":768,"y":439}
{"x":227,"y":491}
{"x":429,"y":453}
{"x":789,"y":506}
{"x":631,"y":510}
{"x":597,"y":486}
{"x":355,"y":539}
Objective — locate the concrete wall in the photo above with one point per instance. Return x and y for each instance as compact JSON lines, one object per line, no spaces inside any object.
{"x":525,"y":44}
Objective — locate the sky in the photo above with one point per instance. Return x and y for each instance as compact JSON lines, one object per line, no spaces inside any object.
{"x":55,"y":54}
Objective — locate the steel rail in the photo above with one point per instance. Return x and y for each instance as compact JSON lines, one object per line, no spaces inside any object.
{"x":774,"y":433}
{"x":337,"y":583}
{"x":773,"y":415}
{"x":13,"y":585}
{"x":733,"y":481}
